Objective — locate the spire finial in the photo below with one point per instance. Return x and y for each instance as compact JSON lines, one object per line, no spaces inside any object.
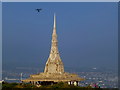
{"x":54,"y":20}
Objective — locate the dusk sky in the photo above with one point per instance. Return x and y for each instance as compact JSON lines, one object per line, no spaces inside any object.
{"x":87,"y":34}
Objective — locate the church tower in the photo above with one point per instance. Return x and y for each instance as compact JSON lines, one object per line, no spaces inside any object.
{"x":54,"y":63}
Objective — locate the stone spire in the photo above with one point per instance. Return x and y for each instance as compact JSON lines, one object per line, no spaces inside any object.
{"x":54,"y":63}
{"x":54,"y":69}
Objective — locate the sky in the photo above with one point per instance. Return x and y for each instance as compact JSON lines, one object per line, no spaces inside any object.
{"x":87,"y":33}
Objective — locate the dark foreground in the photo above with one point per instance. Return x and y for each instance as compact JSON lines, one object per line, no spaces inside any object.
{"x":58,"y":86}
